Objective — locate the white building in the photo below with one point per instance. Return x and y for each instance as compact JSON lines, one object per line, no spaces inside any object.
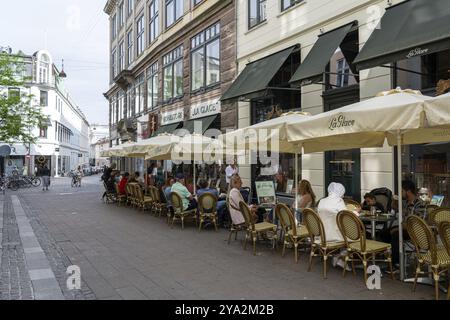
{"x":303,"y":52}
{"x":97,"y":135}
{"x":63,"y":143}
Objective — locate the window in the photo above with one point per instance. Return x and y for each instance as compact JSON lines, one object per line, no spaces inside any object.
{"x":114,"y":63}
{"x":140,"y":35}
{"x":129,"y":7}
{"x":205,"y":58}
{"x":121,"y":15}
{"x":114,"y":27}
{"x":152,"y":86}
{"x":174,"y":11}
{"x":154,"y":21}
{"x":173,"y":74}
{"x":130,"y":101}
{"x":43,"y":132}
{"x":14,"y":93}
{"x":44,"y":98}
{"x":121,"y":56}
{"x":62,"y":133}
{"x":130,"y":55}
{"x":256,"y":12}
{"x":139,"y":92}
{"x":343,"y":72}
{"x":286,"y":4}
{"x":113,"y":110}
{"x":44,"y":69}
{"x":196,"y":2}
{"x":120,"y":105}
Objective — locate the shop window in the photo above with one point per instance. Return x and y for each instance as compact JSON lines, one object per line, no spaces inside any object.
{"x":423,"y":73}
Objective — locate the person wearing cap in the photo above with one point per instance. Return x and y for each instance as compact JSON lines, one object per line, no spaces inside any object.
{"x":179,"y":187}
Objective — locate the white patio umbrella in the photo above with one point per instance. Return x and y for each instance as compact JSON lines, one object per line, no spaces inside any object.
{"x":190,"y":147}
{"x":267,"y":135}
{"x":401,"y":116}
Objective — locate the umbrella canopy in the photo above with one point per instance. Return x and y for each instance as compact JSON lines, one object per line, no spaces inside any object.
{"x":361,"y":125}
{"x":266,"y":135}
{"x":116,"y":151}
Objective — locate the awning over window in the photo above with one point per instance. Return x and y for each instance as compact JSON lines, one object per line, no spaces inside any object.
{"x":409,"y":29}
{"x":313,"y":67}
{"x":206,"y":123}
{"x":256,"y":76}
{"x":169,"y":128}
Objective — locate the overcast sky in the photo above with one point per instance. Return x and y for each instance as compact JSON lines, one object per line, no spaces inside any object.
{"x":73,"y":30}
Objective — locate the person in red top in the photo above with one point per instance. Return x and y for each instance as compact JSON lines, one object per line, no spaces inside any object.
{"x":123,"y":183}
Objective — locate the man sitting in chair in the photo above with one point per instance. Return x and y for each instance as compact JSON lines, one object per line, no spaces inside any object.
{"x":371,"y":201}
{"x":188,"y":199}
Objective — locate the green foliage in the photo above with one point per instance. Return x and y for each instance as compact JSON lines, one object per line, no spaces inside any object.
{"x":19,"y":111}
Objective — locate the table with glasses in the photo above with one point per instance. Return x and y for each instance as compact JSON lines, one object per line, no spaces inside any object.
{"x":377,"y":218}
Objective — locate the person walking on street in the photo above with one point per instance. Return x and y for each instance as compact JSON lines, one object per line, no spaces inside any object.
{"x":45,"y":174}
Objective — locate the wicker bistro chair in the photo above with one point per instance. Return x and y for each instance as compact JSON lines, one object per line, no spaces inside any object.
{"x":427,"y":250}
{"x":121,"y":198}
{"x":429,"y":213}
{"x":354,"y":234}
{"x":444,"y":232}
{"x":143,"y":202}
{"x":292,"y":233}
{"x":159,"y":205}
{"x":255,"y":229}
{"x":134,"y":190}
{"x":179,"y":212}
{"x":436,"y":216}
{"x":319,"y":244}
{"x":352,"y":205}
{"x":130,"y":195}
{"x":207,"y":208}
{"x":234,"y":228}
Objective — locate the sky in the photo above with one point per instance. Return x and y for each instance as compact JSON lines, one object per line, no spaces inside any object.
{"x":73,"y":30}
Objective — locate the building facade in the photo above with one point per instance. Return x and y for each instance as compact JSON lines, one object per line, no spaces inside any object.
{"x":171,"y":60}
{"x":63,"y":141}
{"x":311,"y":47}
{"x":98,"y":136}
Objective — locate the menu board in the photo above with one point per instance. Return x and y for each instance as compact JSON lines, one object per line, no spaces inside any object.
{"x":265,"y":191}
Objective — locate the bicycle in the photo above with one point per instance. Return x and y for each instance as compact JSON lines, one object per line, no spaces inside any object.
{"x":8,"y":182}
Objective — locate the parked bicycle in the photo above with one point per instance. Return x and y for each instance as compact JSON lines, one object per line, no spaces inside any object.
{"x":8,"y":182}
{"x":76,"y":181}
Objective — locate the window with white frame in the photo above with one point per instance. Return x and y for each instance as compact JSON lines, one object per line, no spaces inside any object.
{"x":44,"y":69}
{"x":256,"y":12}
{"x":130,"y":54}
{"x":152,"y":86}
{"x":113,"y":110}
{"x":129,"y":7}
{"x":286,"y":4}
{"x":130,"y":102}
{"x":139,"y":94}
{"x":153,"y":29}
{"x":140,"y":28}
{"x":205,"y":58}
{"x":343,"y":73}
{"x":121,"y":56}
{"x":121,"y":15}
{"x":114,"y":27}
{"x":43,"y":98}
{"x":173,"y":74}
{"x":120,"y":105}
{"x":174,"y":11}
{"x":114,"y":63}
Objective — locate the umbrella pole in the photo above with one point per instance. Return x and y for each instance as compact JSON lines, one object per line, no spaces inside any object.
{"x":296,"y":186}
{"x":400,"y":204}
{"x":195,"y":184}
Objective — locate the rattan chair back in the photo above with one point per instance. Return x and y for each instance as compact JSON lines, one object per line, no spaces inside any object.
{"x":314,"y":225}
{"x":439,"y":215}
{"x":284,"y":214}
{"x":352,"y":228}
{"x":352,"y":205}
{"x":207,"y":203}
{"x":422,"y":236}
{"x":246,"y":212}
{"x":177,"y":202}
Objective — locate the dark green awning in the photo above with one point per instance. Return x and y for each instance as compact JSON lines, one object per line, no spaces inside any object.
{"x":257,"y":75}
{"x":314,"y":65}
{"x":169,"y":128}
{"x":206,"y":122}
{"x":409,"y":29}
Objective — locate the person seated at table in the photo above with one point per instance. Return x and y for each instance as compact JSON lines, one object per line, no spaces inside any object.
{"x":411,"y":205}
{"x":123,"y":183}
{"x":203,"y":188}
{"x":189,"y":185}
{"x":305,"y":197}
{"x":235,"y":197}
{"x":328,"y":209}
{"x":371,"y":201}
{"x":187,"y":198}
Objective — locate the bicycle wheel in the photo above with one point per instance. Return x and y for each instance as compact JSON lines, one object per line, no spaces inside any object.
{"x":14,"y":185}
{"x":36,"y":182}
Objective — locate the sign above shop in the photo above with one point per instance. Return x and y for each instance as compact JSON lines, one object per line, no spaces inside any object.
{"x":172,"y":116}
{"x":206,"y":108}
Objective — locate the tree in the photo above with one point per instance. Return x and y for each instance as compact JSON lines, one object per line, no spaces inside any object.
{"x":19,"y":111}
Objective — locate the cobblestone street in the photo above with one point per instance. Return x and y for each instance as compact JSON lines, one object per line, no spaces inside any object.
{"x":127,"y":254}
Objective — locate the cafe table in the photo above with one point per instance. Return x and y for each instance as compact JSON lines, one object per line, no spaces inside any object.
{"x":374,"y":219}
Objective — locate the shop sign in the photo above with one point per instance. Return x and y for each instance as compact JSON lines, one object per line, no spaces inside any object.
{"x":340,"y":121}
{"x":416,"y":52}
{"x":206,"y":108}
{"x":172,"y":116}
